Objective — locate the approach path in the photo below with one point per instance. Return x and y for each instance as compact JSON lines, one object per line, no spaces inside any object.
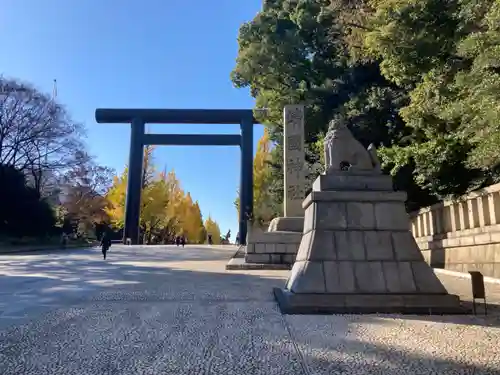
{"x":168,"y":310}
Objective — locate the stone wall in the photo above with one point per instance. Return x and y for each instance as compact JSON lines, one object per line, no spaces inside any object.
{"x":462,"y":235}
{"x":272,"y":247}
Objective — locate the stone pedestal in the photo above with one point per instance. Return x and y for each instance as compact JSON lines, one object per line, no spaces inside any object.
{"x":357,"y":254}
{"x":272,"y":250}
{"x":279,"y":245}
{"x":287,"y":224}
{"x":272,"y":247}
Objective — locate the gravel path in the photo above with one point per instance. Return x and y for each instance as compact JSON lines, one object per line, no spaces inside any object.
{"x":164,"y":310}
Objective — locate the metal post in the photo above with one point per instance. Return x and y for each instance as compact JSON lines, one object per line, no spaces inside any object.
{"x":134,"y":183}
{"x":246,"y":187}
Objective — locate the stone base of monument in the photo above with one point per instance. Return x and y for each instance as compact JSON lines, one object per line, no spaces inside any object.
{"x":357,"y":254}
{"x":432,"y":304}
{"x":279,"y":247}
{"x":240,"y":264}
{"x":286,"y":224}
{"x":275,"y":249}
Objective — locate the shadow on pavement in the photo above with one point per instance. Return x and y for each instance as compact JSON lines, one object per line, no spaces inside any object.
{"x":154,"y":252}
{"x":388,"y":360}
{"x":336,"y":348}
{"x":64,"y":280}
{"x":165,"y":274}
{"x":249,"y":331}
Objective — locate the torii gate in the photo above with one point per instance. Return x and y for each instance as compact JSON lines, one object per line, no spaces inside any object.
{"x":138,"y":139}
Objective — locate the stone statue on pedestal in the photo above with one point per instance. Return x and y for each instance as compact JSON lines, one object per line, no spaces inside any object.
{"x":344,"y":152}
{"x":357,"y":254}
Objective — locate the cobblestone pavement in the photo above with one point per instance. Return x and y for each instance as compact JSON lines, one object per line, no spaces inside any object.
{"x":163,"y":310}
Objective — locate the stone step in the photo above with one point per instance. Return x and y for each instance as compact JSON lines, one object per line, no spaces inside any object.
{"x":292,"y":224}
{"x":240,"y":264}
{"x":284,"y":237}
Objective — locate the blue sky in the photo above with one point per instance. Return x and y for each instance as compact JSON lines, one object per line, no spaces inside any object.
{"x":149,"y":54}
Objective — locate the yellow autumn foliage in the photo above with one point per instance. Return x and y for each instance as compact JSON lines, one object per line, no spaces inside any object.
{"x":166,"y":210}
{"x":213,"y":229}
{"x":262,"y":211}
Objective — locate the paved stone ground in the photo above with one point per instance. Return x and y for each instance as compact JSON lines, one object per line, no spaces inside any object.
{"x":163,"y":310}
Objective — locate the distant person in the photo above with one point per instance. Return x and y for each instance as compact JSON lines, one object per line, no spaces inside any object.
{"x":64,"y":240}
{"x":177,"y":240}
{"x":183,"y":241}
{"x":237,"y":239}
{"x":210,"y":242}
{"x":105,"y":244}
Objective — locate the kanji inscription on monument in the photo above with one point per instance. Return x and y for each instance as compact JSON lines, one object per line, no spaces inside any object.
{"x":294,"y":160}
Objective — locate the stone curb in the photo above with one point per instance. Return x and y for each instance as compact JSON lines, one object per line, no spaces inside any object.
{"x":462,"y":275}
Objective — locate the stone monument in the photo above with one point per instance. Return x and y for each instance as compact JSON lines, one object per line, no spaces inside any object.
{"x":357,"y":254}
{"x":279,"y":245}
{"x":294,"y":171}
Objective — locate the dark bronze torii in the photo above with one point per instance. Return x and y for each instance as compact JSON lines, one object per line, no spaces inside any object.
{"x":138,"y":139}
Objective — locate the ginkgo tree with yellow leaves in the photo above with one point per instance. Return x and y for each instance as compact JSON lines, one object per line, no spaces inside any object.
{"x":213,"y":229}
{"x":191,"y":221}
{"x":263,"y":212}
{"x":166,"y":210}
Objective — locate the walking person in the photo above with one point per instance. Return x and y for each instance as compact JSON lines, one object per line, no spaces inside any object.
{"x":183,"y":241}
{"x":105,"y":244}
{"x":64,"y":240}
{"x":177,"y":240}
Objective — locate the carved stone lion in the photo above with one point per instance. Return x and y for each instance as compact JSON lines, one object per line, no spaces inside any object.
{"x":344,"y":153}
